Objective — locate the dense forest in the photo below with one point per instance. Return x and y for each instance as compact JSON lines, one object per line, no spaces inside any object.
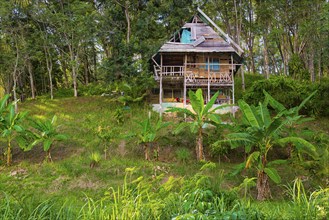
{"x":46,"y":45}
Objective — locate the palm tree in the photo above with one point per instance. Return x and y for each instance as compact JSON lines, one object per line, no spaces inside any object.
{"x":47,"y":133}
{"x":201,"y":115}
{"x":263,"y":132}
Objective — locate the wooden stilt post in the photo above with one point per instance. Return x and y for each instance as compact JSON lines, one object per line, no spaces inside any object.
{"x":233,"y":98}
{"x":160,"y":93}
{"x":208,"y":99}
{"x":185,"y":66}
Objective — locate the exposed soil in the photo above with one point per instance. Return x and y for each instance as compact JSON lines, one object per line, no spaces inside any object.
{"x":37,"y":155}
{"x":83,"y":182}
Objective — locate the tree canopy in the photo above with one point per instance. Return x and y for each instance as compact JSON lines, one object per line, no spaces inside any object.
{"x":66,"y":43}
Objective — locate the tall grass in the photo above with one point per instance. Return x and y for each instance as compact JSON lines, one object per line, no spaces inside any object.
{"x":176,"y":198}
{"x":314,"y":205}
{"x":154,"y":198}
{"x":29,"y":209}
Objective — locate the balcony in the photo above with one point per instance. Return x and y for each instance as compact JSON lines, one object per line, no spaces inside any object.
{"x":198,"y":74}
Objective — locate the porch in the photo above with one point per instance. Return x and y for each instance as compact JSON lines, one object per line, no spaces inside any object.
{"x":197,"y":74}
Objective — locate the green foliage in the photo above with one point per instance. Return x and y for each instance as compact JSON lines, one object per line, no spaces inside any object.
{"x":95,"y":159}
{"x":134,"y":89}
{"x":319,"y":105}
{"x":107,"y":135}
{"x":174,"y":199}
{"x":93,"y":89}
{"x":11,"y":127}
{"x":291,"y":93}
{"x":47,"y":133}
{"x":297,"y":69}
{"x":183,"y":155}
{"x":318,"y":168}
{"x":63,"y":93}
{"x":245,"y":186}
{"x":263,"y":132}
{"x":149,"y":135}
{"x":119,"y":115}
{"x":314,"y":205}
{"x":201,"y":115}
{"x":250,"y":79}
{"x":72,"y":191}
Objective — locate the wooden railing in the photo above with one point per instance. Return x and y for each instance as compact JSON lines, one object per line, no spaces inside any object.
{"x":195,"y":75}
{"x":172,"y":70}
{"x":214,"y":78}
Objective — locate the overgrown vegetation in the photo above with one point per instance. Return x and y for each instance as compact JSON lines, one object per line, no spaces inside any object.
{"x":99,"y":52}
{"x":201,"y":115}
{"x":260,"y":133}
{"x":291,"y":92}
{"x":100,"y":171}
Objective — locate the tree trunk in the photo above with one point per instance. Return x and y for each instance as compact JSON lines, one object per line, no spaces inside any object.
{"x":65,"y":74}
{"x":319,"y":67}
{"x":86,"y":70}
{"x":128,"y":21}
{"x":253,"y":65}
{"x":263,"y":186}
{"x":49,"y":159}
{"x":51,"y":84}
{"x":242,"y":79}
{"x":29,"y":67}
{"x":75,"y":65}
{"x":15,"y":79}
{"x":14,"y":90}
{"x":146,"y":151}
{"x":95,"y":63}
{"x":311,"y":64}
{"x":199,"y":146}
{"x":9,"y":153}
{"x":49,"y":68}
{"x":75,"y":84}
{"x":236,"y":23}
{"x":266,"y":60}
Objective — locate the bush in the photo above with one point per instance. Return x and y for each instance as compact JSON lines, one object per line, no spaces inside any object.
{"x":83,"y":90}
{"x":320,"y":104}
{"x":93,"y":89}
{"x":249,"y":79}
{"x":291,"y":93}
{"x":183,"y":154}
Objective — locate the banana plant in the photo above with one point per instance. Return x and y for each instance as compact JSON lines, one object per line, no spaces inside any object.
{"x":293,"y":118}
{"x":201,"y":115}
{"x":11,"y":127}
{"x":149,"y":134}
{"x":47,"y":133}
{"x":263,"y":132}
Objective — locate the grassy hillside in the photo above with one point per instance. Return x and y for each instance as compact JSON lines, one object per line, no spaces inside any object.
{"x":31,"y":181}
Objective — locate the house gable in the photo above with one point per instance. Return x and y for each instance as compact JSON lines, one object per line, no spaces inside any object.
{"x":199,"y":36}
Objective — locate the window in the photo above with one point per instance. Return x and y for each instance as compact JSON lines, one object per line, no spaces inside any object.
{"x":213,"y":64}
{"x":186,"y":36}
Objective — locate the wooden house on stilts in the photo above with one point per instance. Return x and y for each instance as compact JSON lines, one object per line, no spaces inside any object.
{"x":199,"y":55}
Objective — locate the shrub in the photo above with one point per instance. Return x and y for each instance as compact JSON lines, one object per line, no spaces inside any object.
{"x":95,"y":159}
{"x":291,"y":92}
{"x":320,"y":104}
{"x":93,"y":89}
{"x":183,"y":154}
{"x":249,"y":79}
